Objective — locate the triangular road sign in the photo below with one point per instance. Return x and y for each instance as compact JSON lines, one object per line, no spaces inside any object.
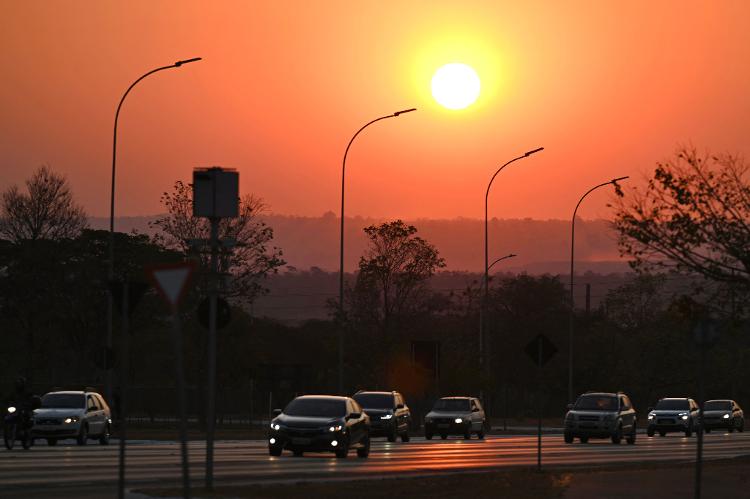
{"x":171,"y":280}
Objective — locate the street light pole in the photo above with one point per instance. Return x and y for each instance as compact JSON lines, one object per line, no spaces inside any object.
{"x":485,"y":282}
{"x":341,"y":246}
{"x":111,"y":262}
{"x":572,"y":261}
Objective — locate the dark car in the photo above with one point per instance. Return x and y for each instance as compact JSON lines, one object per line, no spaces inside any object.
{"x":673,"y":415}
{"x":320,"y":423}
{"x":456,"y":416}
{"x":389,"y":414}
{"x":601,"y":415}
{"x":723,"y":415}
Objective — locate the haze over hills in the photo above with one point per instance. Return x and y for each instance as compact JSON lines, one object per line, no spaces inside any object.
{"x":542,"y":246}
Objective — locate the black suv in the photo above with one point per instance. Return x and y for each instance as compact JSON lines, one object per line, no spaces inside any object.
{"x":389,"y":414}
{"x":601,"y":415}
{"x":320,"y":423}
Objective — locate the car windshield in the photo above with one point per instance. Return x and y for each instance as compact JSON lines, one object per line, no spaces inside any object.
{"x":672,"y":405}
{"x":63,"y":401}
{"x":450,"y":405}
{"x":316,"y":408}
{"x":375,"y":400}
{"x":596,"y":403}
{"x":718,"y":405}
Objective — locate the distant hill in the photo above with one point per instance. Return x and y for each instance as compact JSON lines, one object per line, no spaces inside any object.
{"x":542,"y":246}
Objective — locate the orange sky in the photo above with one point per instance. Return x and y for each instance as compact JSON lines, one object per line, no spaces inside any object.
{"x":607,"y":88}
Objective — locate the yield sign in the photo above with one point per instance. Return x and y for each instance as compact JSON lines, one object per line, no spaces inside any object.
{"x":171,"y":280}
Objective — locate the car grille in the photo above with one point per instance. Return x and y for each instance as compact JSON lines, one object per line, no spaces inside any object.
{"x":48,"y":421}
{"x":303,"y":432}
{"x":443,"y":420}
{"x":665,"y":421}
{"x":588,"y":418}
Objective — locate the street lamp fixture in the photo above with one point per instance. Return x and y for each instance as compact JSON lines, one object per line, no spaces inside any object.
{"x":341,"y":245}
{"x":572,"y":262}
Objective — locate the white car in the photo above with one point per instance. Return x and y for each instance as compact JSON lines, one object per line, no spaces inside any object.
{"x":73,"y":414}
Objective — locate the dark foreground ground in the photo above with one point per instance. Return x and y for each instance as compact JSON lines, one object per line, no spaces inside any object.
{"x":725,"y":479}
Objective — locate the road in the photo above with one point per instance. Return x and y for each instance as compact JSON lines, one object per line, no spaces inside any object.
{"x":71,"y":471}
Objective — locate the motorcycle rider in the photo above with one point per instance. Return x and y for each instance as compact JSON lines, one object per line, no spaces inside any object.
{"x":23,"y":400}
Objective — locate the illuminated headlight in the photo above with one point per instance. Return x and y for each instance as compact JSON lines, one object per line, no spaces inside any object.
{"x":334,"y":443}
{"x":459,"y":420}
{"x":387,"y":416}
{"x":650,"y":416}
{"x":11,"y":410}
{"x":70,"y":420}
{"x":275,"y":426}
{"x":335,"y":428}
{"x":725,"y":416}
{"x":684,"y":417}
{"x":271,"y":441}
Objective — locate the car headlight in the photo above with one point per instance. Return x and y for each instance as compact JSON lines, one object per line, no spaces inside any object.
{"x":725,"y":416}
{"x":684,"y":417}
{"x":11,"y":410}
{"x":459,"y":420}
{"x":650,"y":416}
{"x":387,"y":416}
{"x":335,"y":428}
{"x":71,"y":420}
{"x":275,"y":426}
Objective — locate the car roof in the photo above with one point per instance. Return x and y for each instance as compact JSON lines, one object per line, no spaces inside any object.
{"x":608,"y":394}
{"x":69,"y":392}
{"x":328,"y":397}
{"x":373,"y":392}
{"x":720,"y":400}
{"x":457,"y":398}
{"x":675,"y":398}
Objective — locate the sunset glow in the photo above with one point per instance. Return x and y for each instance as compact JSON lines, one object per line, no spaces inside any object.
{"x":456,"y":86}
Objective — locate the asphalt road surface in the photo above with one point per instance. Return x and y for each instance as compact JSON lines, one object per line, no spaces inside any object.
{"x":72,"y":471}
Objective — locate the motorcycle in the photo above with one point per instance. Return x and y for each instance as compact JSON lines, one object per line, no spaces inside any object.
{"x":17,"y":426}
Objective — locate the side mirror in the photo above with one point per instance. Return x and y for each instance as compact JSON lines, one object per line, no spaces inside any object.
{"x":354,"y":415}
{"x":400,"y":406}
{"x":276,"y":412}
{"x":569,"y":406}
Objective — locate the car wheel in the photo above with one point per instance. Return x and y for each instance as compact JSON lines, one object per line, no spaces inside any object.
{"x":650,"y":432}
{"x":104,"y":437}
{"x":392,"y":436}
{"x":689,"y":431}
{"x":480,"y":434}
{"x":364,"y":451}
{"x":428,"y":436}
{"x":662,"y":433}
{"x":741,"y":427}
{"x":405,"y":436}
{"x":584,"y":440}
{"x":617,"y":436}
{"x":631,"y":438}
{"x":298,"y":453}
{"x":443,"y":436}
{"x":731,"y":429}
{"x":83,"y":435}
{"x":467,"y":434}
{"x":343,"y":451}
{"x":274,"y":450}
{"x":51,"y":442}
{"x":707,"y":430}
{"x":568,"y":438}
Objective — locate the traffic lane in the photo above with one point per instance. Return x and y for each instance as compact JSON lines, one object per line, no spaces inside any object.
{"x":248,"y":461}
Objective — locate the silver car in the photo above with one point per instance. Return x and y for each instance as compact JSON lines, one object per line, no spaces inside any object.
{"x":601,"y":415}
{"x":80,"y":415}
{"x":455,"y":416}
{"x":723,"y":414}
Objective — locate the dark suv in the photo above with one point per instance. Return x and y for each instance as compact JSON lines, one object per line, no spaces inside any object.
{"x":320,"y":423}
{"x":673,"y":415}
{"x":601,"y":415}
{"x":389,"y":414}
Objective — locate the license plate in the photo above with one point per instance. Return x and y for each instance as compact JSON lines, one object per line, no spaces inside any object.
{"x":443,"y":425}
{"x":301,"y":441}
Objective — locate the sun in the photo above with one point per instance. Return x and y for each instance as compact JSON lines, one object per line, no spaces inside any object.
{"x":455,"y":86}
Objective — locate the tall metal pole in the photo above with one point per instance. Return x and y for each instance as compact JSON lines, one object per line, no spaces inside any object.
{"x":181,"y":400}
{"x":124,"y":371}
{"x":572,"y":270}
{"x":213,"y":298}
{"x":341,"y":248}
{"x":111,"y":262}
{"x":485,"y":281}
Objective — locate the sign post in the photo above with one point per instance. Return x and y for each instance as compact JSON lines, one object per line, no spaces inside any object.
{"x":171,"y":282}
{"x":215,"y":196}
{"x":540,"y":350}
{"x":705,"y":335}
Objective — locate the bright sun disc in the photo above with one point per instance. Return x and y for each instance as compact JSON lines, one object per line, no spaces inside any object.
{"x":455,"y":86}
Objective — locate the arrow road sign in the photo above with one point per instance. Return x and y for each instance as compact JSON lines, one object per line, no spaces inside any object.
{"x":171,"y":280}
{"x":540,"y":349}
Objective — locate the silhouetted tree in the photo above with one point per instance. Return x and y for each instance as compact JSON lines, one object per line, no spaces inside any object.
{"x":47,"y":211}
{"x":248,"y":262}
{"x":694,"y":215}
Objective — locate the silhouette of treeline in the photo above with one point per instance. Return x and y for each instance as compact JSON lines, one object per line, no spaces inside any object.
{"x":542,"y":246}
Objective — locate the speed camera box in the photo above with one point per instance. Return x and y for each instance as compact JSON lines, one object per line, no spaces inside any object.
{"x":216,"y":192}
